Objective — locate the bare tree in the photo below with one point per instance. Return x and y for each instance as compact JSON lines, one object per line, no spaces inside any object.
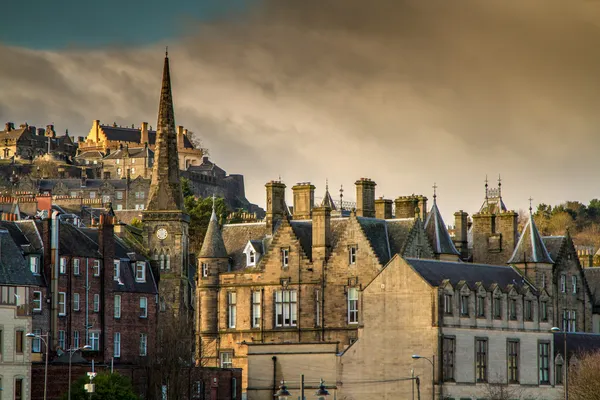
{"x":584,"y":377}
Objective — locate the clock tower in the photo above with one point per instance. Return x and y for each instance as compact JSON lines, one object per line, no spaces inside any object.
{"x":165,"y":221}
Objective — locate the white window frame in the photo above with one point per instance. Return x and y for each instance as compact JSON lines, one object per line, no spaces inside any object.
{"x":119,"y":195}
{"x":563,"y":283}
{"x":285,"y":257}
{"x":62,"y":269}
{"x":38,"y":301}
{"x":204,"y":270}
{"x":352,"y":250}
{"x":226,"y":358}
{"x":96,"y":267}
{"x":286,"y":308}
{"x":36,"y":342}
{"x":140,"y":272}
{"x":94,"y":340}
{"x":574,"y":284}
{"x":76,"y":304}
{"x":92,"y":195}
{"x":34,"y":264}
{"x":76,"y":262}
{"x":231,"y":309}
{"x":62,"y":339}
{"x":117,"y":345}
{"x":132,"y":170}
{"x":117,"y":306}
{"x":256,"y":308}
{"x":143,"y":307}
{"x":352,"y":306}
{"x":62,"y":305}
{"x":96,"y":302}
{"x":143,"y":344}
{"x":317,"y":308}
{"x":119,"y":207}
{"x":116,"y":269}
{"x":106,"y":198}
{"x":75,"y":339}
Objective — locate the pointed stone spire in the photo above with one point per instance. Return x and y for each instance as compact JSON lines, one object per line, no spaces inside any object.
{"x":165,"y":189}
{"x":531,"y":247}
{"x":437,"y":231}
{"x":327,"y":199}
{"x":213,"y":245}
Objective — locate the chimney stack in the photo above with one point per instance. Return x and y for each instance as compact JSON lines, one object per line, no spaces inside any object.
{"x":383,"y":208}
{"x":180,"y":137}
{"x":321,"y":234}
{"x":9,"y":126}
{"x":365,"y":197}
{"x":96,"y":130}
{"x":460,"y":233}
{"x":144,"y":133}
{"x":275,"y":203}
{"x":406,"y":205}
{"x":304,"y":200}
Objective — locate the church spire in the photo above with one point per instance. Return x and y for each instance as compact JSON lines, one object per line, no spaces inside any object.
{"x":165,"y":190}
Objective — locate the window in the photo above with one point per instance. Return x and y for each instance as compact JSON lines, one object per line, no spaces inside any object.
{"x":352,"y":305}
{"x":447,"y":304}
{"x":119,"y":170}
{"x":117,"y":306}
{"x":61,"y":340}
{"x":143,"y":307}
{"x":512,"y":309}
{"x":256,"y":309}
{"x":139,"y":206}
{"x":133,"y":160}
{"x":116,"y":269}
{"x":543,"y":280}
{"x":199,"y":389}
{"x":62,"y":304}
{"x":528,"y":310}
{"x":92,"y":195}
{"x":19,"y":344}
{"x":76,"y":266}
{"x":574,"y":284}
{"x":497,"y":306}
{"x":105,"y":198}
{"x":140,"y":272}
{"x":132,"y":171}
{"x":34,"y":264}
{"x":231,"y":309}
{"x":139,"y":195}
{"x":204,"y":270}
{"x":117,"y":161}
{"x":558,"y":373}
{"x":480,"y":307}
{"x":19,"y":389}
{"x":168,"y":261}
{"x":227,"y":360}
{"x":76,"y":339}
{"x":513,"y":361}
{"x":317,"y":308}
{"x":37,"y":301}
{"x":36,"y":342}
{"x":285,"y":308}
{"x":119,"y":195}
{"x":563,"y":283}
{"x":481,"y":360}
{"x":119,"y":207}
{"x":544,"y":362}
{"x":143,"y":344}
{"x":96,"y":302}
{"x":544,"y":311}
{"x":117,"y":345}
{"x":251,"y":258}
{"x":352,"y":255}
{"x":285,"y":257}
{"x":94,"y":341}
{"x":448,"y":358}
{"x":464,"y":305}
{"x":75,"y":301}
{"x":63,"y":266}
{"x":233,"y":388}
{"x":569,"y":321}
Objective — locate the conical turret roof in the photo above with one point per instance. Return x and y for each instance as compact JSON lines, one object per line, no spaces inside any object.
{"x":213,"y":245}
{"x":438,"y":233}
{"x":327,"y":199}
{"x":531,"y":247}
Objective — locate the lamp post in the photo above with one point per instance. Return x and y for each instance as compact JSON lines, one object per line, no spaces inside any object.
{"x":284,"y":394}
{"x":565,"y":358}
{"x":71,"y":351}
{"x":432,"y":362}
{"x":43,"y":338}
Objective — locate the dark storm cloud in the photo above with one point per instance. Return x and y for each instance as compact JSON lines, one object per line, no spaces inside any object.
{"x":405,"y":92}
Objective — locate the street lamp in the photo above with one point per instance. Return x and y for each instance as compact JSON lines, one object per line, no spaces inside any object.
{"x":565,"y":360}
{"x":322,"y":392}
{"x":283,"y":393}
{"x":432,"y":362}
{"x":71,"y":351}
{"x":43,"y":338}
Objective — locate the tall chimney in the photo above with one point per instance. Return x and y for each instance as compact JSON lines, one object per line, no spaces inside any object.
{"x":144,"y":133}
{"x":383,"y":208}
{"x":275,"y":203}
{"x":405,"y":206}
{"x":321,"y":234}
{"x":365,"y":197}
{"x":304,"y":200}
{"x":460,"y":233}
{"x":96,"y":130}
{"x":180,"y":137}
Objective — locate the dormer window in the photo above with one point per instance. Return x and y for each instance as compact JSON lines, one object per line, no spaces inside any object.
{"x":34,"y":264}
{"x":252,"y":252}
{"x":251,"y":257}
{"x":140,"y":272}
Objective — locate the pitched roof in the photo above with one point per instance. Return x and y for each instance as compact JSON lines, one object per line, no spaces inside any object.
{"x":328,"y":200}
{"x":438,"y":233}
{"x":213,"y":245}
{"x":376,"y":232}
{"x":75,"y":243}
{"x":592,"y":277}
{"x":236,"y":237}
{"x":553,"y":245}
{"x":399,"y":231}
{"x":14,"y":270}
{"x":435,"y":272}
{"x":131,"y":152}
{"x":531,"y":247}
{"x":303,"y":231}
{"x":134,"y":135}
{"x":577,"y":343}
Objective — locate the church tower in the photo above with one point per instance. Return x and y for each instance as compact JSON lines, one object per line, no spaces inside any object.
{"x":164,"y":220}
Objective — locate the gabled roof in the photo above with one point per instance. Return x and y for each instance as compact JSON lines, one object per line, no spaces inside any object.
{"x":236,"y":237}
{"x":257,"y":245}
{"x":531,"y":247}
{"x":435,"y":272}
{"x":134,"y":135}
{"x":376,"y":232}
{"x":328,"y":200}
{"x":213,"y":245}
{"x":74,"y":242}
{"x":131,"y":152}
{"x":553,"y":245}
{"x":14,"y":270}
{"x":577,"y":343}
{"x":438,"y":233}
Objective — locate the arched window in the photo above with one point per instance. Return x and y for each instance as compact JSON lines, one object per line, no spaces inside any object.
{"x":162,"y":260}
{"x":168,"y":257}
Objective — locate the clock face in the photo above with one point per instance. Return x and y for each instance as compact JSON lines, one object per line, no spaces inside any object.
{"x":161,"y":233}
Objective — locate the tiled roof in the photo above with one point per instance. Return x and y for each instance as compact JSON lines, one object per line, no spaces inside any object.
{"x":577,"y":343}
{"x":90,"y":154}
{"x":553,"y":245}
{"x":236,"y":236}
{"x":531,"y":246}
{"x":32,"y":233}
{"x":435,"y":272}
{"x":213,"y":246}
{"x":303,"y":231}
{"x":438,"y":233}
{"x":258,"y":246}
{"x":14,"y":270}
{"x":121,"y":134}
{"x":399,"y":231}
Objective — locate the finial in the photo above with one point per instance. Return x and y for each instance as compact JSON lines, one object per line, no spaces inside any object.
{"x":486,"y":186}
{"x":434,"y":191}
{"x":530,"y":205}
{"x":341,"y":197}
{"x":167,"y":51}
{"x":326,"y":185}
{"x":499,"y":180}
{"x":213,"y":198}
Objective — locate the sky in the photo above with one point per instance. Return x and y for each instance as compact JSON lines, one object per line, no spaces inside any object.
{"x":406,"y":92}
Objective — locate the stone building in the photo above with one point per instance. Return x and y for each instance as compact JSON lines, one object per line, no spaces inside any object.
{"x":129,"y":163}
{"x":28,"y":142}
{"x":297,"y":278}
{"x":15,"y":354}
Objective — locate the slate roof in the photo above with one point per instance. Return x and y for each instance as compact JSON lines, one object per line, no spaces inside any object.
{"x":553,"y":245}
{"x":137,"y":152}
{"x":438,"y":233}
{"x":376,"y":232}
{"x":328,"y":200}
{"x":213,"y":245}
{"x":435,"y":272}
{"x":73,"y":242}
{"x":398,"y":231}
{"x":303,"y":231}
{"x":592,"y":277}
{"x":236,"y":236}
{"x":492,"y":205}
{"x":90,"y":154}
{"x":121,"y":134}
{"x":577,"y":343}
{"x":531,"y":247}
{"x":258,"y":246}
{"x":14,"y":270}
{"x":75,"y":184}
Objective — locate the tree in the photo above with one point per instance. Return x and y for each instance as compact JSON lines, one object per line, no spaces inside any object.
{"x":108,"y":387}
{"x":499,"y":390}
{"x":584,"y":377}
